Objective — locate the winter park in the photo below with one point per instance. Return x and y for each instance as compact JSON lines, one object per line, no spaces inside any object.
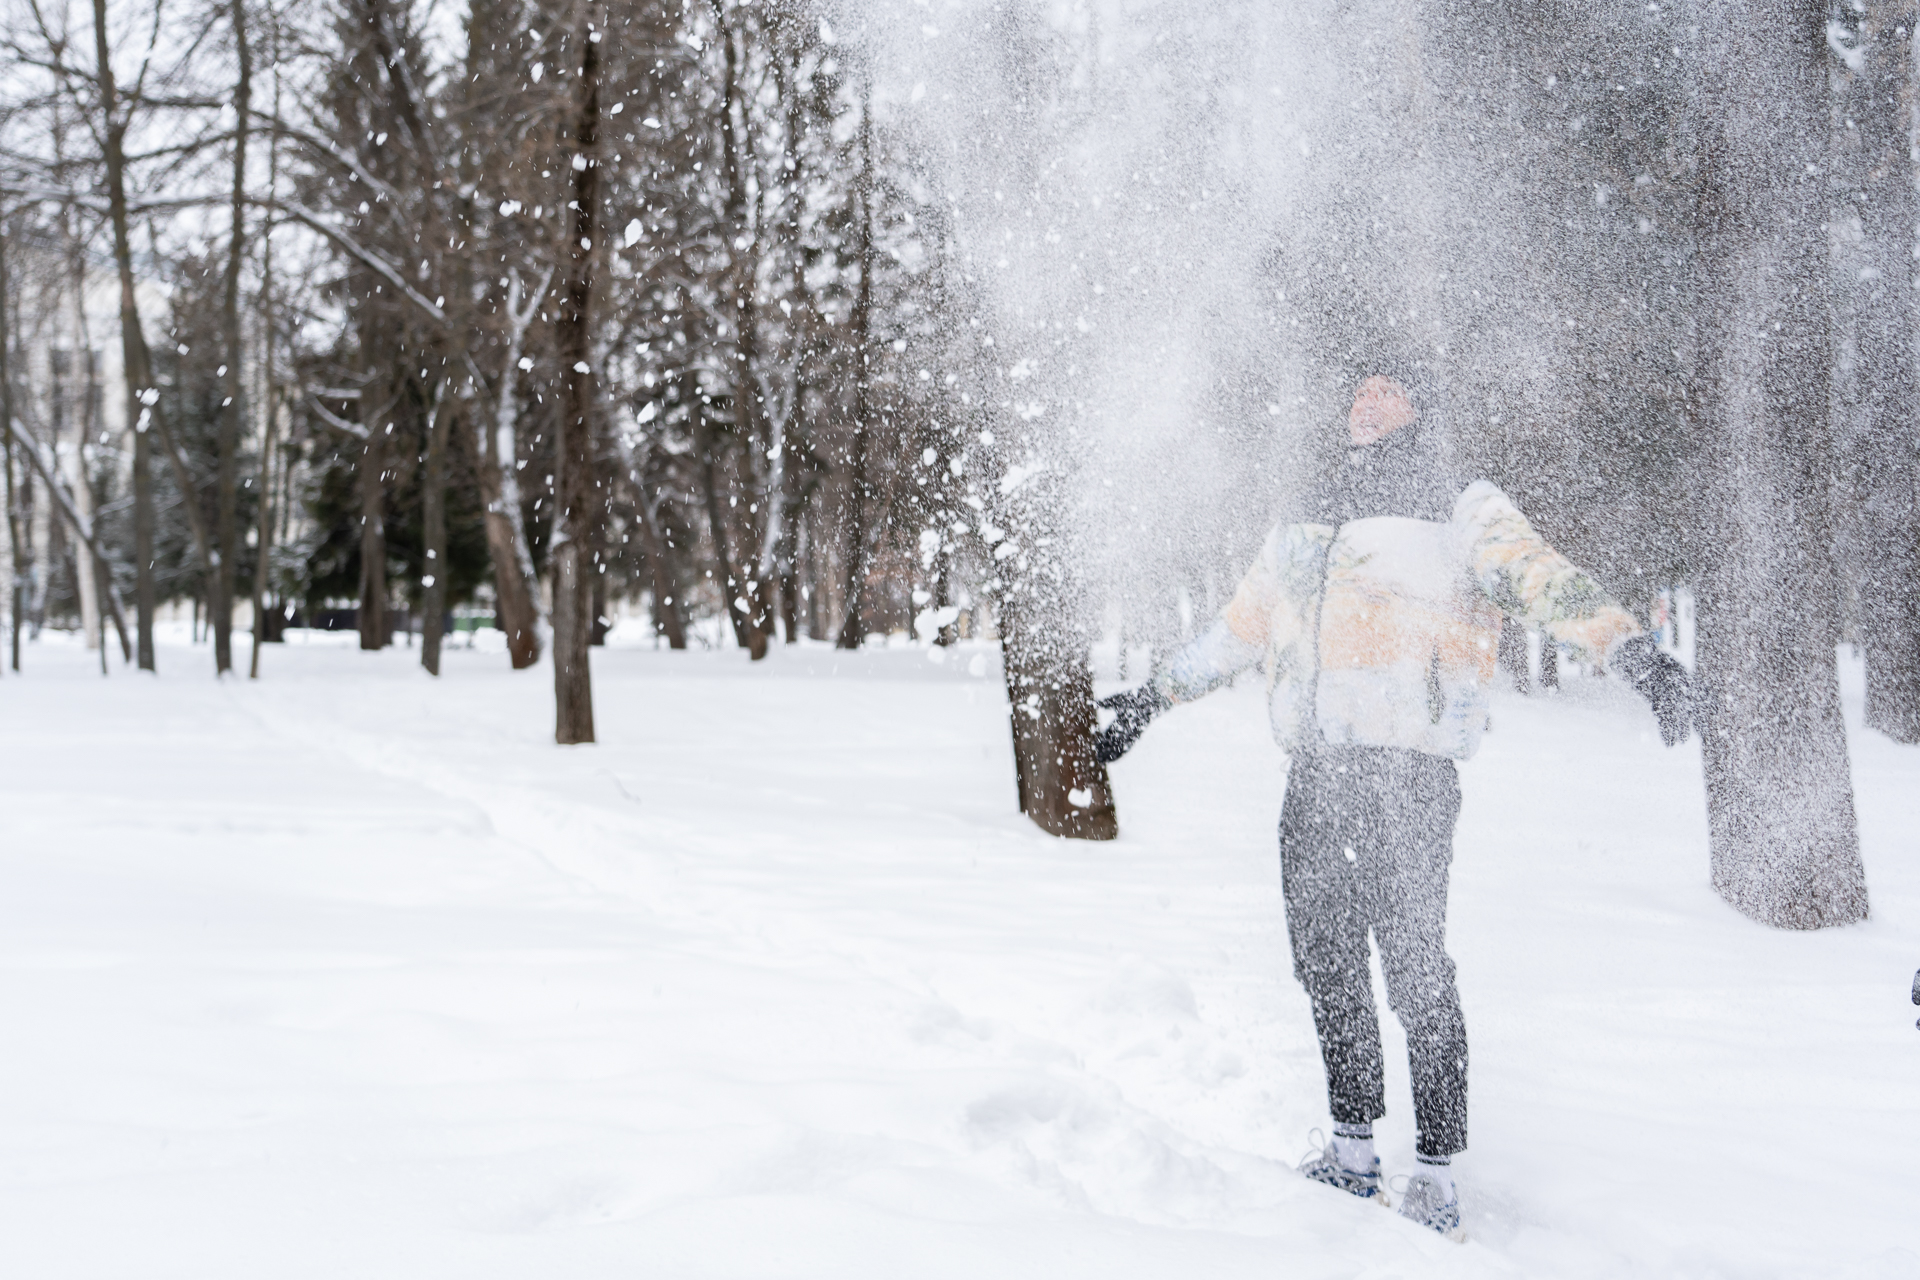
{"x":822,"y":638}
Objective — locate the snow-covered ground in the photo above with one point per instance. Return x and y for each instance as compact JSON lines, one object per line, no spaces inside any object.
{"x":352,"y":973}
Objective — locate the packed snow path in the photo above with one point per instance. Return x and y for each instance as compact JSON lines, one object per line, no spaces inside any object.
{"x":353,"y":973}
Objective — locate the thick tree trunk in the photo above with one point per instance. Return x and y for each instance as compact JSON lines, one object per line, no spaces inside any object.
{"x":1050,"y":689}
{"x":1047,"y":642}
{"x":1876,"y":375}
{"x":573,"y":441}
{"x":1779,"y":795}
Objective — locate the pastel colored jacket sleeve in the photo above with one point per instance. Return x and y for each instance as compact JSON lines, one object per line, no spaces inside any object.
{"x":1283,"y":579}
{"x":1528,"y":580}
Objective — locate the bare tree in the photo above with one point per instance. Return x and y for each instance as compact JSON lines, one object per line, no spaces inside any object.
{"x":220,"y":591}
{"x":576,"y":489}
{"x":853,"y":631}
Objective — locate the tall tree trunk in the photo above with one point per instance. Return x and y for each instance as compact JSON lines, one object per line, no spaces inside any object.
{"x":263,"y":631}
{"x":233,"y":386}
{"x":949,"y":632}
{"x":786,"y":550}
{"x":143,"y":398}
{"x":1779,"y":796}
{"x":742,"y":581}
{"x":722,"y":550}
{"x":750,"y":414}
{"x":16,"y":542}
{"x":515,"y":586}
{"x":73,"y":402}
{"x":1050,"y":692}
{"x":143,"y":522}
{"x":263,"y":529}
{"x":853,"y":631}
{"x":433,"y":529}
{"x":373,"y":519}
{"x":574,"y":454}
{"x":82,"y":527}
{"x":1876,"y":376}
{"x":786,"y":546}
{"x":1046,"y":638}
{"x":668,"y":613}
{"x":1513,"y":656}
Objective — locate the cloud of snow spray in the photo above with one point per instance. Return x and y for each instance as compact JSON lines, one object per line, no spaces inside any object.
{"x":1124,"y":177}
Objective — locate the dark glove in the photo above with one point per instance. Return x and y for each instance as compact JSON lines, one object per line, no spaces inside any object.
{"x":1661,"y":680}
{"x":1131,"y":712}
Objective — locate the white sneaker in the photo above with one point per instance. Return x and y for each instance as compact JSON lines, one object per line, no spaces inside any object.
{"x":1425,"y":1203}
{"x":1322,"y":1164}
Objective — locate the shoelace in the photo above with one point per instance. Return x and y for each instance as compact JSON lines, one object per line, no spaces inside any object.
{"x":1401,"y":1183}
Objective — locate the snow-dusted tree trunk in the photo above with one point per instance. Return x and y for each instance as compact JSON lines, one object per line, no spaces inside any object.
{"x":1876,"y":375}
{"x":853,"y":628}
{"x":739,"y":280}
{"x":1779,"y":796}
{"x":515,"y":584}
{"x":1046,"y":639}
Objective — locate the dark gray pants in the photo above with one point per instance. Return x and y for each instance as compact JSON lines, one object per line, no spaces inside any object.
{"x":1366,"y":838}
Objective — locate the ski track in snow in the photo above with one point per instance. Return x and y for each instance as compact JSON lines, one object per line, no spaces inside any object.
{"x":351,"y":972}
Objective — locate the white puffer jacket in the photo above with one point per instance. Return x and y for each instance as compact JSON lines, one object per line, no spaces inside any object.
{"x":1384,"y":632}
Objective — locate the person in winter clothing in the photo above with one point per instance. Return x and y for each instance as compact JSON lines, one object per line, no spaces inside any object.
{"x":1378,"y":620}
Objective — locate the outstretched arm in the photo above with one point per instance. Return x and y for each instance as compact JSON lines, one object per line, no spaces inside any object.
{"x":1234,"y":641}
{"x":1533,"y":583}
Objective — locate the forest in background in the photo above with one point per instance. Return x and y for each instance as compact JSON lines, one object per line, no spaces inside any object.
{"x":794,"y":318}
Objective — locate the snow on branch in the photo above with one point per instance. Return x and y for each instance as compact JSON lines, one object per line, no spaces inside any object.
{"x":379,"y":265}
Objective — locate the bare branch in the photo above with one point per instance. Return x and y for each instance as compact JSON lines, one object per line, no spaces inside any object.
{"x":379,"y":265}
{"x":334,"y":420}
